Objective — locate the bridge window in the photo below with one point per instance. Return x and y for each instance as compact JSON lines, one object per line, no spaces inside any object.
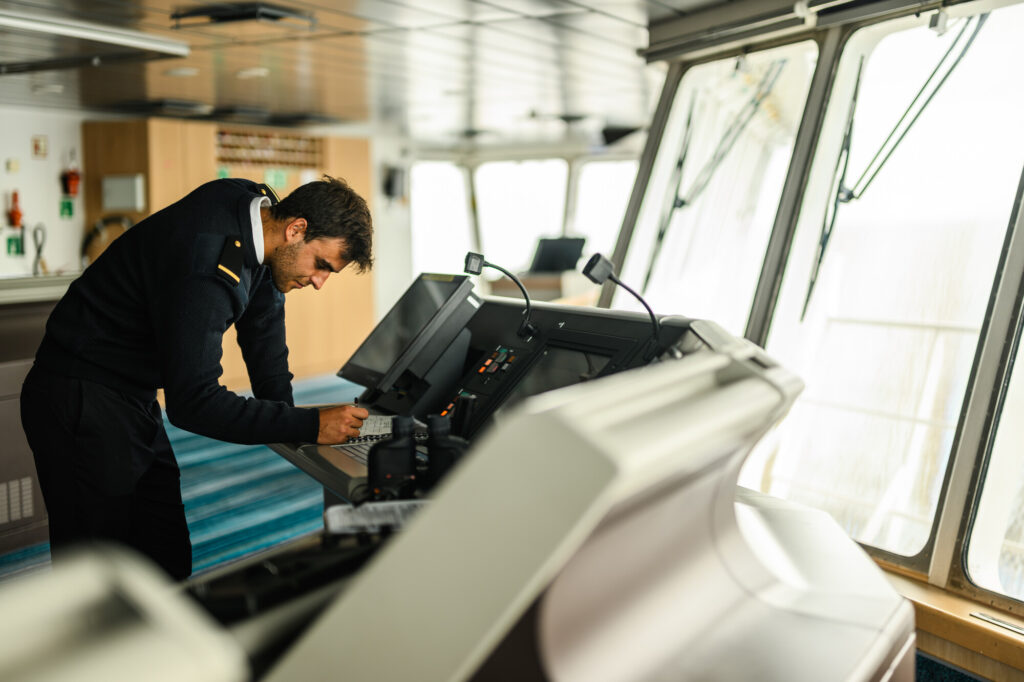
{"x":439,"y":217}
{"x":889,"y":276}
{"x":518,"y":202}
{"x":601,"y":197}
{"x":710,"y":204}
{"x":995,"y":556}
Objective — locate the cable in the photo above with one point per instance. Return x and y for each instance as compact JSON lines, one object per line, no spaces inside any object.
{"x":475,"y":263}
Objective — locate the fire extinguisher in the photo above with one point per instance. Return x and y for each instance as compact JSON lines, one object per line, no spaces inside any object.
{"x":71,"y":178}
{"x":15,"y":243}
{"x":14,"y":214}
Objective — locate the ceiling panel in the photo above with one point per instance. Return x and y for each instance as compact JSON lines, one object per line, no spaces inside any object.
{"x":595,"y":29}
{"x":382,"y":12}
{"x":548,"y":43}
{"x":434,"y":68}
{"x":634,"y":13}
{"x":464,"y":10}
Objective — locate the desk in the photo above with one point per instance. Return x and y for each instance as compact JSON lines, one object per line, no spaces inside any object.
{"x":564,"y":287}
{"x":337,"y":473}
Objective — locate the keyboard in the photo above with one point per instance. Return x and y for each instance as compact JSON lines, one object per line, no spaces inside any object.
{"x":357,"y":451}
{"x":360,"y":451}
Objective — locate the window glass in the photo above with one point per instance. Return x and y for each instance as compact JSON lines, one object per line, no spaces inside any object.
{"x":995,"y":552}
{"x":716,"y":183}
{"x":517,"y":203}
{"x":895,"y":300}
{"x":439,"y":217}
{"x":601,"y":198}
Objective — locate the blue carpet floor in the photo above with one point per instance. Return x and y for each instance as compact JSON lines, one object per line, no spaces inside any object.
{"x":239,"y":499}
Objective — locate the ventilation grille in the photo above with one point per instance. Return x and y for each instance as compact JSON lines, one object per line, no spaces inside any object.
{"x":16,"y":503}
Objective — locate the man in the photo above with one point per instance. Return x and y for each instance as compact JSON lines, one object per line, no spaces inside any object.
{"x":151,"y":313}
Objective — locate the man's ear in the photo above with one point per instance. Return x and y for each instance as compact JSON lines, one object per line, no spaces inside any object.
{"x":295,"y":230}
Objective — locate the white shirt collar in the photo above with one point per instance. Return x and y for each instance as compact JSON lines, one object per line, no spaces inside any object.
{"x":257,"y":225}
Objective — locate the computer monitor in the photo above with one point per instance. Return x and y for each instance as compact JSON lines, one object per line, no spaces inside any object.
{"x":557,"y":254}
{"x":405,"y":346}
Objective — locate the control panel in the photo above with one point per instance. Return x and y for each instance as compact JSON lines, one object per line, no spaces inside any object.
{"x":491,"y":377}
{"x":484,"y":363}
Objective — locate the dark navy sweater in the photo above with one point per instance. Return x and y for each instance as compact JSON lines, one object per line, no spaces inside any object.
{"x":152,"y":310}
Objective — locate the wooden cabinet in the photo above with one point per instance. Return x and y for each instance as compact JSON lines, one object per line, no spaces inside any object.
{"x":175,"y":156}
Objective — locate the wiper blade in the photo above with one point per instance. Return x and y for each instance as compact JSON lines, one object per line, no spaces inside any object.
{"x":706,"y":173}
{"x":673,"y":203}
{"x":876,"y":164}
{"x":840,"y":193}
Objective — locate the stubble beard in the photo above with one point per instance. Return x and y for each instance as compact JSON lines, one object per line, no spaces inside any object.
{"x":282,"y":262}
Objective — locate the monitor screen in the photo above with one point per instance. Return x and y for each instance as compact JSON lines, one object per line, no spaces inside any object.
{"x":417,"y":314}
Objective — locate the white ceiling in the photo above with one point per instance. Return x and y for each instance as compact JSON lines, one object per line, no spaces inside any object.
{"x":439,"y":70}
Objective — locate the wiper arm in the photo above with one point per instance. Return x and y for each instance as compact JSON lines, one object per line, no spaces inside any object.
{"x":676,"y":182}
{"x":707,"y":172}
{"x":864,"y":181}
{"x":733,"y":132}
{"x":840,"y":193}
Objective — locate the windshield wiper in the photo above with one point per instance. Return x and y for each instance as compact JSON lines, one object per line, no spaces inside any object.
{"x":840,"y":192}
{"x":704,"y":176}
{"x":675,"y":182}
{"x":843,"y":194}
{"x":862,"y":185}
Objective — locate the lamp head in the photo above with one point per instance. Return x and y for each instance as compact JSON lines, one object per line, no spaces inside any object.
{"x":598,"y":269}
{"x":474,"y":263}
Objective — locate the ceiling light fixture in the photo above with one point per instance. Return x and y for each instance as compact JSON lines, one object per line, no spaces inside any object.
{"x":241,"y":114}
{"x":225,"y":12}
{"x":86,"y":30}
{"x":182,"y":108}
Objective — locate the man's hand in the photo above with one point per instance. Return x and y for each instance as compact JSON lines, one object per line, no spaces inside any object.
{"x":338,"y":424}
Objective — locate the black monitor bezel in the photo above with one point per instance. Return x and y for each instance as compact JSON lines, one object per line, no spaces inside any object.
{"x":382,"y":382}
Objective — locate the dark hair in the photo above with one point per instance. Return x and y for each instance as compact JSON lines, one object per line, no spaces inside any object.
{"x":332,"y":209}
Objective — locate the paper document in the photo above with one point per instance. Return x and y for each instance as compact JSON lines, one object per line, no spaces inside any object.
{"x":378,"y":427}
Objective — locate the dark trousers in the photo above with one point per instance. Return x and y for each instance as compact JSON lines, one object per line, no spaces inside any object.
{"x":106,"y":469}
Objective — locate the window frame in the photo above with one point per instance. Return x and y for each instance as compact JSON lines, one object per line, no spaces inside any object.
{"x":986,"y":391}
{"x":942,"y":560}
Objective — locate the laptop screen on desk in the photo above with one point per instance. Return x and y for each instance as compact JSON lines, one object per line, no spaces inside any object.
{"x":557,"y":254}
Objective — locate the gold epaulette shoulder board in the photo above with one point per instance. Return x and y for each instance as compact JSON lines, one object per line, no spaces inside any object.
{"x":268,"y":191}
{"x":229,"y":267}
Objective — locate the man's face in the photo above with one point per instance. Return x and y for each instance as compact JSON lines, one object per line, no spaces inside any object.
{"x":297,"y":263}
